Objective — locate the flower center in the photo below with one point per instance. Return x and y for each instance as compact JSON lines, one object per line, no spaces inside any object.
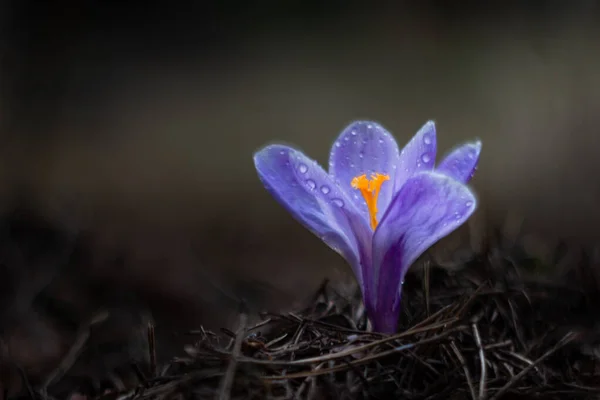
{"x":369,"y":188}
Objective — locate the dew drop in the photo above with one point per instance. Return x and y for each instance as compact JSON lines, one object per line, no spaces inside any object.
{"x":311,"y":184}
{"x":353,"y":133}
{"x":471,"y":155}
{"x":282,"y":152}
{"x":426,"y":158}
{"x":302,"y":168}
{"x":361,"y":155}
{"x":346,"y":138}
{"x":338,"y":202}
{"x":468,"y":203}
{"x":369,"y":126}
{"x":427,"y":139}
{"x":325,"y":189}
{"x":380,"y":141}
{"x":337,"y":144}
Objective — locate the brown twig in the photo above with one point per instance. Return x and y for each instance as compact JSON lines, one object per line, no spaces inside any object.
{"x":482,"y":362}
{"x":227,"y":381}
{"x":463,"y":364}
{"x":564,"y":341}
{"x":74,"y":351}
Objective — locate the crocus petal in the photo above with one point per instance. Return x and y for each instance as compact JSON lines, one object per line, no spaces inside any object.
{"x":364,"y":147}
{"x":418,"y":155}
{"x":313,"y":198}
{"x":461,"y":163}
{"x":428,"y":207}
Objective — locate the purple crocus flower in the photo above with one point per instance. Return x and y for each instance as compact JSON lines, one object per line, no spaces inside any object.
{"x":378,"y":207}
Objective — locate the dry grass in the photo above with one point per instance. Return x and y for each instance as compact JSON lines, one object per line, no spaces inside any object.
{"x":485,"y":332}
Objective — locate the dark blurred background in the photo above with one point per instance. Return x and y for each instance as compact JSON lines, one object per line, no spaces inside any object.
{"x":138,"y":121}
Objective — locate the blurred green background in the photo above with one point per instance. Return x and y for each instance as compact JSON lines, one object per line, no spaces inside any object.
{"x":141,"y":118}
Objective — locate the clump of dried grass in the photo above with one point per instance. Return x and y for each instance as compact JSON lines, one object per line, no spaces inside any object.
{"x":483,"y":332}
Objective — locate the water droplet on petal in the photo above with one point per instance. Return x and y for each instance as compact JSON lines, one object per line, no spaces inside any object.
{"x":426,"y":158}
{"x":302,"y":168}
{"x":468,"y":203}
{"x":325,"y":189}
{"x":471,"y":155}
{"x":361,"y":155}
{"x":427,"y":139}
{"x":311,"y":184}
{"x":337,"y":144}
{"x":353,"y":133}
{"x":369,"y":126}
{"x":346,"y":138}
{"x":282,"y":152}
{"x":380,"y":141}
{"x":338,"y":202}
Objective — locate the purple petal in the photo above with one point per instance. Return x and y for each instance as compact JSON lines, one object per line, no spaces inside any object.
{"x":418,"y":155}
{"x":364,"y":147}
{"x":428,"y":207}
{"x":461,"y":163}
{"x":312,"y":197}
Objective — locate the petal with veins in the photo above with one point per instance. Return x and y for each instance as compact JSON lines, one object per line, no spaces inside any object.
{"x":418,"y":155}
{"x":428,"y":207}
{"x":462,"y":162}
{"x":304,"y":189}
{"x":364,"y":148}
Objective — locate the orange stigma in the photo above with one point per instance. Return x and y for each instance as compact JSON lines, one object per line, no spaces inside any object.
{"x":370,"y":188}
